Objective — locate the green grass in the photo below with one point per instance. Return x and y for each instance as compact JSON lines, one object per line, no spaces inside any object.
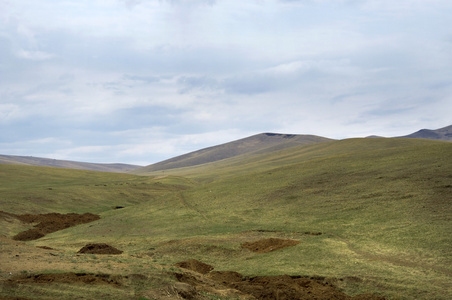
{"x":28,"y":189}
{"x":383,"y":207}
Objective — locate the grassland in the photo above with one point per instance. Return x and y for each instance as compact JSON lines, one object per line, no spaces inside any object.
{"x":48,"y":162}
{"x":372,"y":215}
{"x":45,"y":189}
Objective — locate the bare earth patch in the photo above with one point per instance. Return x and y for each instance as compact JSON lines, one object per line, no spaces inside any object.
{"x":70,"y":277}
{"x":226,"y":276}
{"x":99,"y":249}
{"x":196,"y":278}
{"x":270,"y":244}
{"x":195,"y":265}
{"x":265,"y":287}
{"x":48,"y":223}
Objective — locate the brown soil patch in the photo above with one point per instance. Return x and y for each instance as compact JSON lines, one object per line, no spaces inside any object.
{"x":195,"y":265}
{"x":17,"y":257}
{"x":48,"y":223}
{"x":68,"y":278}
{"x":99,"y":249}
{"x":266,"y":287}
{"x":31,"y":234}
{"x":270,"y":244}
{"x":45,"y":247}
{"x":226,"y":276}
{"x":292,"y":287}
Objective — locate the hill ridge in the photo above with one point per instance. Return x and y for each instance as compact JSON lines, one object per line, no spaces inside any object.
{"x":258,"y":143}
{"x":69,"y":164}
{"x":444,"y":134}
{"x":371,"y":215}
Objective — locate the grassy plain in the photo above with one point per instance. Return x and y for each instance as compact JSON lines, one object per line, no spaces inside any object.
{"x":372,"y":215}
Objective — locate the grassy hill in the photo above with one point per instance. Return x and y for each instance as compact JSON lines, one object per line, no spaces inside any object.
{"x":260,"y":143}
{"x":444,"y":134}
{"x":33,"y":189}
{"x":371,"y":215}
{"x":47,"y":162}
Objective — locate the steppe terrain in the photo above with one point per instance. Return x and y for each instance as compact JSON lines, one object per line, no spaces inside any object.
{"x":348,"y":219}
{"x":48,"y":162}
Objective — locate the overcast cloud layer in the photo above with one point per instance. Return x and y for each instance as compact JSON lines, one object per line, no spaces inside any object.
{"x":139,"y":81}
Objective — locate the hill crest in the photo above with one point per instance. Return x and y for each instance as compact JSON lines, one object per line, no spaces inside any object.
{"x":444,"y":134}
{"x":48,"y":162}
{"x":259,"y":143}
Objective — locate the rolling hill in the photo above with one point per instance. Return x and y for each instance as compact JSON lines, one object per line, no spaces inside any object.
{"x":444,"y":134}
{"x":260,"y":143}
{"x":369,"y":216}
{"x":47,"y":162}
{"x":264,"y":143}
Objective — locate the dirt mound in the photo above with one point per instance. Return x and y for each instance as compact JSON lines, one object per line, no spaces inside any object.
{"x":270,"y":244}
{"x":99,"y":249}
{"x":195,"y":265}
{"x":48,"y":223}
{"x":69,"y":278}
{"x":29,"y":235}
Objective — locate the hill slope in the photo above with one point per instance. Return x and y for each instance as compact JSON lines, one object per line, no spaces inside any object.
{"x":260,"y":143}
{"x":444,"y":134}
{"x":370,"y":216}
{"x":47,"y":162}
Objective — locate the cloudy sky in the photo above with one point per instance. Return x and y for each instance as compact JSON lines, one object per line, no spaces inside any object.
{"x":140,"y":81}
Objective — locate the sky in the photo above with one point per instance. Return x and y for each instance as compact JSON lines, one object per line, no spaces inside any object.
{"x":140,"y":81}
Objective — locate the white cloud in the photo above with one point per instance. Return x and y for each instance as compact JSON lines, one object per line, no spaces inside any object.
{"x":138,"y":144}
{"x":405,"y":6}
{"x":139,"y":80}
{"x":77,"y":151}
{"x":10,"y":112}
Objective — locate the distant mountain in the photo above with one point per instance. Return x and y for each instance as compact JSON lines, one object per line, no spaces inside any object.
{"x":47,"y":162}
{"x":444,"y":134}
{"x":260,"y":143}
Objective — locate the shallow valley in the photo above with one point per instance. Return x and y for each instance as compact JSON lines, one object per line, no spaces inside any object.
{"x":351,"y":219}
